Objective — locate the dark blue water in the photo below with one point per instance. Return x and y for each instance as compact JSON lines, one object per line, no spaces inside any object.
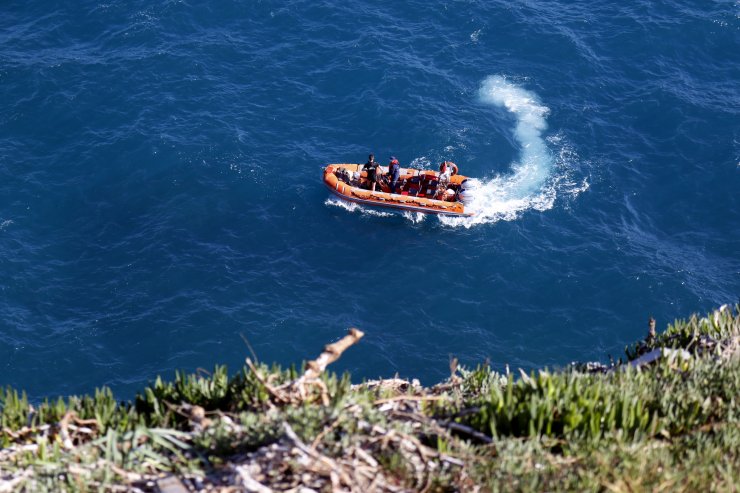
{"x":160,"y":189}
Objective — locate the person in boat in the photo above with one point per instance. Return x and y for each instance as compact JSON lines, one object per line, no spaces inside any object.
{"x":446,"y":170}
{"x":394,"y":172}
{"x":371,"y":166}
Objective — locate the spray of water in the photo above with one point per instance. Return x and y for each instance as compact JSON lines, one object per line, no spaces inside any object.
{"x":353,"y":207}
{"x":529,"y":184}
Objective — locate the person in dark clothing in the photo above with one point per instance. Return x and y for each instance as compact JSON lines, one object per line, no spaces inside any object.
{"x":371,"y":166}
{"x":394,"y":171}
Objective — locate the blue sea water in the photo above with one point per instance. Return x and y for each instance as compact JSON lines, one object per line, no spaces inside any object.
{"x":161,"y":194}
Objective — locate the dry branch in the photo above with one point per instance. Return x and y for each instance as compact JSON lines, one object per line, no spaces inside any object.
{"x":298,"y":390}
{"x":278,"y":395}
{"x":331,"y":353}
{"x":249,"y":483}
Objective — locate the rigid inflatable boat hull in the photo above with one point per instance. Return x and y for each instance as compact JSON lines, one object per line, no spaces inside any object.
{"x":417,"y":187}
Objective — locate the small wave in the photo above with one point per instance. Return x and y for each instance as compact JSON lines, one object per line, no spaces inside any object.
{"x":414,"y":217}
{"x":353,"y":207}
{"x":421,"y":162}
{"x":537,"y":177}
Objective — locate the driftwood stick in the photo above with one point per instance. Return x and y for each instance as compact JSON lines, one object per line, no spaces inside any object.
{"x":298,"y":442}
{"x":331,"y":353}
{"x":467,"y":430}
{"x":415,"y":398}
{"x":314,"y":369}
{"x":324,"y":432}
{"x":298,"y":390}
{"x":64,"y":431}
{"x":335,"y":470}
{"x":249,"y":483}
{"x":274,"y":392}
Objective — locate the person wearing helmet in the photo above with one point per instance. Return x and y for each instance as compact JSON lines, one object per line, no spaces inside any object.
{"x":394,"y":172}
{"x":371,"y":166}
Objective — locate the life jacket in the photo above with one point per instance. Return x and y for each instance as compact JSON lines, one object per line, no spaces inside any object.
{"x":394,"y":169}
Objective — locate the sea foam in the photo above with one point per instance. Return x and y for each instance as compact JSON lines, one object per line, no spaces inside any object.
{"x":531,"y":183}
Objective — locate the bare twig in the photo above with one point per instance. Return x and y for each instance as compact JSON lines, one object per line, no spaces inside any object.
{"x":272,"y":390}
{"x":419,"y":398}
{"x":335,"y":470}
{"x":467,"y":430}
{"x":298,"y":390}
{"x":249,"y":483}
{"x":249,"y":346}
{"x":331,"y":353}
{"x":64,"y":425}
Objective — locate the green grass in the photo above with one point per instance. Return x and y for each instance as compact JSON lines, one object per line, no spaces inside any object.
{"x":671,"y":426}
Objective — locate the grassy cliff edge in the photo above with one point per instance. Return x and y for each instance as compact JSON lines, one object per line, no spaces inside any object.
{"x":666,"y":419}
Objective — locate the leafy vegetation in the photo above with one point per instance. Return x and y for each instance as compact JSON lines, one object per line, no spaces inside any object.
{"x":670,"y":422}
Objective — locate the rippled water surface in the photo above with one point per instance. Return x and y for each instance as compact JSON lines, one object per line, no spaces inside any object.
{"x":160,"y":189}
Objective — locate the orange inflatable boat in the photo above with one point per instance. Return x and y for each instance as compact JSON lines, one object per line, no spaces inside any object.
{"x":416,"y":190}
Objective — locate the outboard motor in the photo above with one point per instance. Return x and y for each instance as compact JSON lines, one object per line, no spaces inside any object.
{"x":465,"y":195}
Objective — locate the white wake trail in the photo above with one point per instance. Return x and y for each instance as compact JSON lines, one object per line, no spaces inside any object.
{"x":530,"y":184}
